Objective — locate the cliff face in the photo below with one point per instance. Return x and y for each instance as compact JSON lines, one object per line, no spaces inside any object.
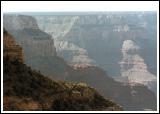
{"x":134,"y":68}
{"x":101,"y":36}
{"x":27,"y":33}
{"x":11,"y":49}
{"x":37,"y":44}
{"x":58,"y":27}
{"x":73,"y":54}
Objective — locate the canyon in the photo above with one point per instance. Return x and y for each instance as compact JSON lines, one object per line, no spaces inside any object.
{"x":101,"y":36}
{"x":93,"y":53}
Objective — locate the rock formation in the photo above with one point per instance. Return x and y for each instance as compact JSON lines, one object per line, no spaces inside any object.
{"x":37,"y":44}
{"x":102,"y":36}
{"x":73,"y":54}
{"x":27,"y":33}
{"x":134,"y":68}
{"x":58,"y":27}
{"x":11,"y":49}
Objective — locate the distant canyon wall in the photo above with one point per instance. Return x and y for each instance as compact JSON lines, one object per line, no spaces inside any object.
{"x":34,"y":41}
{"x":133,"y":67}
{"x":99,"y":40}
{"x":102,"y":36}
{"x":58,"y":27}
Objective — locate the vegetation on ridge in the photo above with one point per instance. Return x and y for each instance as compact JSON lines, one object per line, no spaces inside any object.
{"x":25,"y":89}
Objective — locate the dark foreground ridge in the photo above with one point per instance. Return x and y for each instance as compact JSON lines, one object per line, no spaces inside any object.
{"x":25,"y":89}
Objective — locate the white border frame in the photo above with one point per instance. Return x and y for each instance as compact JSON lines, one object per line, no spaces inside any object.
{"x":23,"y":6}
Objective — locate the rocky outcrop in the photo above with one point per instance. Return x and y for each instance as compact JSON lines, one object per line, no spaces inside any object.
{"x":27,"y":33}
{"x":73,"y":53}
{"x":134,"y":68}
{"x":11,"y":49}
{"x":37,"y":45}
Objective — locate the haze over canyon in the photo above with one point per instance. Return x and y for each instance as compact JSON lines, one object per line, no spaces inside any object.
{"x":113,"y":52}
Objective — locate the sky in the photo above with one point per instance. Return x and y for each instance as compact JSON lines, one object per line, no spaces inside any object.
{"x":43,"y":6}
